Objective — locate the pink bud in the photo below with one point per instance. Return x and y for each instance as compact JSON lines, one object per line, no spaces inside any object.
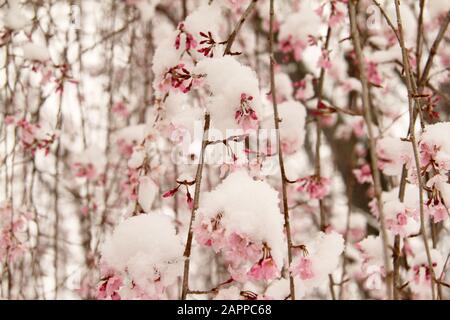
{"x":170,"y":193}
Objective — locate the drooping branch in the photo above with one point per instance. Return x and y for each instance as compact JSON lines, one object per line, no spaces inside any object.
{"x":372,"y":143}
{"x":317,"y":162}
{"x":277,"y":121}
{"x":386,"y":17}
{"x":412,"y":137}
{"x":237,"y":28}
{"x":434,"y":49}
{"x":198,"y":183}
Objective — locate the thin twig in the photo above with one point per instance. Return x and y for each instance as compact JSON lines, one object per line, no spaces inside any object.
{"x":198,"y":180}
{"x":237,"y":28}
{"x":411,"y":94}
{"x":280,"y":152}
{"x":386,"y":17}
{"x":434,"y":49}
{"x":372,"y":144}
{"x":317,"y":164}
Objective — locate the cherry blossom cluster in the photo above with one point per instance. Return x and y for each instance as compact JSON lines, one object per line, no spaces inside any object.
{"x":249,"y":253}
{"x":141,"y":259}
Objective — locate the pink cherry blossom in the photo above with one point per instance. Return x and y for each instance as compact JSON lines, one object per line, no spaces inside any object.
{"x":87,"y":171}
{"x":296,"y":47}
{"x":316,"y":187}
{"x":109,"y":287}
{"x":121,"y":109}
{"x":336,"y":18}
{"x":324,"y":61}
{"x":373,"y":74}
{"x":9,"y":120}
{"x":303,"y":269}
{"x":266,"y":269}
{"x":363,"y":174}
{"x":241,"y":248}
{"x":438,"y":212}
{"x":245,"y":116}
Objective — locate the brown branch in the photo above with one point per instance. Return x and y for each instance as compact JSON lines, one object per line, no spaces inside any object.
{"x":386,"y":17}
{"x":317,"y":164}
{"x":110,"y":35}
{"x":198,"y":180}
{"x":434,"y":49}
{"x":411,"y":94}
{"x":237,"y":28}
{"x":372,"y":144}
{"x":440,"y":93}
{"x":277,"y":121}
{"x":419,"y":38}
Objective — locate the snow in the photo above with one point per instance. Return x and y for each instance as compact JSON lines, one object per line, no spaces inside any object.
{"x":248,"y":209}
{"x":372,"y":250}
{"x":284,"y":86}
{"x":409,"y":209}
{"x":165,"y":57}
{"x":137,"y":157}
{"x":301,"y":24}
{"x":15,"y":18}
{"x":148,"y":190}
{"x":437,"y":135}
{"x":292,"y":126}
{"x":146,"y":251}
{"x":150,"y":234}
{"x":131,"y":134}
{"x":324,"y":253}
{"x":393,"y":153}
{"x":35,"y":52}
{"x":296,"y":30}
{"x":147,"y":9}
{"x":206,"y":18}
{"x":419,"y":276}
{"x":227,"y":79}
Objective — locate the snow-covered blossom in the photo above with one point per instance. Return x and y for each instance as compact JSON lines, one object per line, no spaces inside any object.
{"x":401,"y":218}
{"x":12,"y":232}
{"x":34,"y":137}
{"x":146,"y":254}
{"x":371,"y":249}
{"x":363,"y":174}
{"x":234,"y":224}
{"x":419,"y":275}
{"x":235,"y":102}
{"x":320,"y":259}
{"x":297,"y":29}
{"x":392,"y":154}
{"x":206,"y":19}
{"x":435,"y":148}
{"x":439,"y":197}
